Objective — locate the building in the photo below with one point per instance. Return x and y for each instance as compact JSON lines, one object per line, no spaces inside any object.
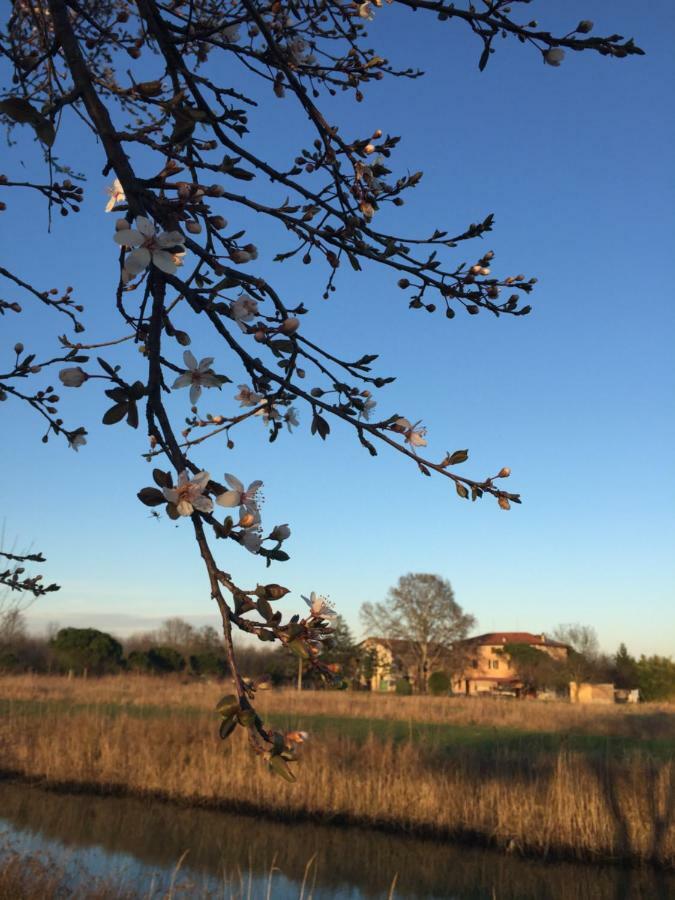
{"x":489,"y":670}
{"x":385,"y":662}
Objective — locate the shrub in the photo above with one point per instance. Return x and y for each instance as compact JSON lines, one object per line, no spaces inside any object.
{"x":404,"y":687}
{"x":87,"y":648}
{"x":439,"y":683}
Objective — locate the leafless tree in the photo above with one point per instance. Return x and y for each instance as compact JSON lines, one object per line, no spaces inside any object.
{"x":421,"y":610}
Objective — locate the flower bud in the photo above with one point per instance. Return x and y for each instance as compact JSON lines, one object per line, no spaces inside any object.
{"x":18,"y":348}
{"x":193,"y":227}
{"x":217,"y":222}
{"x":74,"y":377}
{"x":279,"y":533}
{"x":216,"y":190}
{"x":585,"y":26}
{"x":290,"y":325}
{"x":504,"y":472}
{"x":247,"y":520}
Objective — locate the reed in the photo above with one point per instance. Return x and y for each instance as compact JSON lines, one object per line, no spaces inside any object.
{"x":524,"y":796}
{"x":643,"y":721}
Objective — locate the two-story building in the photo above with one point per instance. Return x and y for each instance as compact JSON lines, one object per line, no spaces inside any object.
{"x":385,"y":662}
{"x":488,"y":669}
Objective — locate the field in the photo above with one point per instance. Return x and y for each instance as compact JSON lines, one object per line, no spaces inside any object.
{"x":546,"y":779}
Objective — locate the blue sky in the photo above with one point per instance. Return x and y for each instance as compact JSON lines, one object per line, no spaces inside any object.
{"x":576,"y":164}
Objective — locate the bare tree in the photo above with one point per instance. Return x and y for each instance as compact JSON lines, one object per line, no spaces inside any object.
{"x":581,"y":638}
{"x":583,"y":661}
{"x":422,"y":611}
{"x":159,"y":88}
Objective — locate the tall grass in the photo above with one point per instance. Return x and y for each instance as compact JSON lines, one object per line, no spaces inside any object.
{"x":522,"y":797}
{"x":648,"y":720}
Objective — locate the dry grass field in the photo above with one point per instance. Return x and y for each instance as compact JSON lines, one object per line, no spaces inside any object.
{"x":537,"y":778}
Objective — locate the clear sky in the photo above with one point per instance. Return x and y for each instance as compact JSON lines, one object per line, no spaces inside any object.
{"x":577,"y":165}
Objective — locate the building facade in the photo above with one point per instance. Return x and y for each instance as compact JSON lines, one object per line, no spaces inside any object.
{"x":488,"y":669}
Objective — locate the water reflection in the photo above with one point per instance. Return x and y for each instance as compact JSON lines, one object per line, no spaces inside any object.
{"x":109,"y":836}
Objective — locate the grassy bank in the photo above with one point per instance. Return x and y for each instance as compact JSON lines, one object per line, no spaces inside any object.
{"x":607,"y":796}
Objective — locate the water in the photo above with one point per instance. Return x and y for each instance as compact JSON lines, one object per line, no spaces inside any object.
{"x":137,"y":843}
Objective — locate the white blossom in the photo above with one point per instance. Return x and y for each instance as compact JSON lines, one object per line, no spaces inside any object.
{"x":252,"y":540}
{"x":245,"y":498}
{"x":366,"y":11}
{"x":554,"y":56}
{"x":231,"y":34}
{"x":247,"y":397}
{"x":291,"y":418}
{"x":188,"y":495}
{"x":76,"y":440}
{"x":115,"y":195}
{"x":368,"y":407}
{"x":268,"y":412}
{"x":74,"y":377}
{"x":148,"y":246}
{"x":413,"y":434}
{"x":244,"y":309}
{"x":318,"y":606}
{"x":197,"y":376}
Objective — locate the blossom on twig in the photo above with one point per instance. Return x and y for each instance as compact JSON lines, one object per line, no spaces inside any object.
{"x":318,"y":606}
{"x":115,"y":195}
{"x":188,"y":495}
{"x":197,"y":376}
{"x":148,"y":246}
{"x":413,"y":434}
{"x":247,"y":397}
{"x":245,"y":498}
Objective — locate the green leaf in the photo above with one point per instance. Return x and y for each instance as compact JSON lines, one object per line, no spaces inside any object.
{"x":280,"y":767}
{"x":298,"y":647}
{"x":151,"y":496}
{"x":227,"y":705}
{"x":21,"y":111}
{"x":227,"y":726}
{"x":246,"y":717}
{"x":265,"y":608}
{"x":115,"y":414}
{"x":459,"y":456}
{"x":162,"y":479}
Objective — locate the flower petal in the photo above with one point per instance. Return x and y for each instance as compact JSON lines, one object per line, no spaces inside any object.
{"x":164,"y":261}
{"x":183,"y":380}
{"x":184,"y":508}
{"x":170,"y":239}
{"x":189,"y":359}
{"x":137,"y":260}
{"x":234,"y":482}
{"x":229,"y":498}
{"x":128,"y":237}
{"x":145,"y":226}
{"x":202,"y":479}
{"x":195,"y":393}
{"x":203,"y":504}
{"x":205,"y":363}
